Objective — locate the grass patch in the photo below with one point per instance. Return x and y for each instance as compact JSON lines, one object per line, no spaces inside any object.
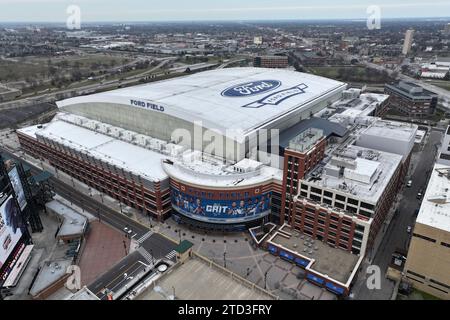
{"x":351,"y":74}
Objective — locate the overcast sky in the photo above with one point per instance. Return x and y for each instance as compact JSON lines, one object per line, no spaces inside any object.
{"x":167,"y":10}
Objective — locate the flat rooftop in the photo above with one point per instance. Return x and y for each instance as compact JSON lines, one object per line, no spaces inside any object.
{"x":229,"y":98}
{"x":211,"y":172}
{"x":363,"y":105}
{"x":196,"y":280}
{"x":74,"y":222}
{"x":337,"y":263}
{"x":366,"y":182}
{"x":405,"y":132}
{"x":411,"y":90}
{"x":138,"y":160}
{"x":51,"y":271}
{"x":435,"y":208}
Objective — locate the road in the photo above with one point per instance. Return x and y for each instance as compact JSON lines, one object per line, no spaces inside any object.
{"x":444,"y":95}
{"x":90,"y":88}
{"x":396,"y":236}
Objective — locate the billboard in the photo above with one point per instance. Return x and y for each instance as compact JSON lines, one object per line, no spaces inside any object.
{"x":11,"y":228}
{"x":221,"y":211}
{"x":18,"y":188}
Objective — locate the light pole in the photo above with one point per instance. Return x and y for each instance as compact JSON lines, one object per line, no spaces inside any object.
{"x":125,"y":247}
{"x":224,"y":259}
{"x":179,"y":232}
{"x":248,"y":272}
{"x":265,"y":279}
{"x":173,"y":288}
{"x":98,"y":214}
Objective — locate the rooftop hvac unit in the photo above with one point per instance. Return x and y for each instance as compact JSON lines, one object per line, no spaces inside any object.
{"x":91,"y":125}
{"x":141,"y":140}
{"x":174,"y":150}
{"x":103,"y":128}
{"x":116,"y":132}
{"x":128,"y":135}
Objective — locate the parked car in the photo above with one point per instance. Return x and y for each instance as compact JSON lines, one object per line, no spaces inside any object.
{"x":409,"y":183}
{"x":420,"y":194}
{"x":408,"y":229}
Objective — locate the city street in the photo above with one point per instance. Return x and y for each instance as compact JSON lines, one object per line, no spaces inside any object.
{"x":396,"y":236}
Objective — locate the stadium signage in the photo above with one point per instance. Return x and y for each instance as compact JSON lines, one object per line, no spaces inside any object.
{"x":278,"y":97}
{"x":251,"y":88}
{"x":146,"y":105}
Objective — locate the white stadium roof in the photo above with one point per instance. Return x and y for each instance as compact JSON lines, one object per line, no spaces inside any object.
{"x":215,"y":98}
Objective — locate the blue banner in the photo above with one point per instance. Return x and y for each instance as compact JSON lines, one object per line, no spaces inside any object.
{"x":221,"y":211}
{"x":286,"y":255}
{"x":335,"y":289}
{"x":315,"y":279}
{"x":301,"y":262}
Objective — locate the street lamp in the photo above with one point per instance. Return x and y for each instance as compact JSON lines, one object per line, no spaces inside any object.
{"x":173,"y":288}
{"x":265,"y":279}
{"x":224,"y":259}
{"x":125,"y":247}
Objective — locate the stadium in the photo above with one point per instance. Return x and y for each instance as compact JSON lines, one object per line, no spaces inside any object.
{"x":149,"y":146}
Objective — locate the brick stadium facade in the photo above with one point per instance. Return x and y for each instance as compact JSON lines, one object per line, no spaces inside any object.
{"x":153,"y":198}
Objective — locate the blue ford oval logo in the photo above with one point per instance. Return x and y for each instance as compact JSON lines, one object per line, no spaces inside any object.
{"x":251,"y":88}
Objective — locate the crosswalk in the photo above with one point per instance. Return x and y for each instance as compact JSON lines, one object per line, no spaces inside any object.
{"x":171,"y":254}
{"x":146,"y":255}
{"x":145,"y":237}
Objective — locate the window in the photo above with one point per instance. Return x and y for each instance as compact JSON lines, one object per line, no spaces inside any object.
{"x":339,"y":205}
{"x":327,"y":201}
{"x":352,"y":201}
{"x":334,"y":218}
{"x":309,"y":209}
{"x":346,"y":222}
{"x":315,"y":190}
{"x":440,"y":283}
{"x":309,"y":225}
{"x":367,"y":206}
{"x":445,"y":244}
{"x":365,"y":213}
{"x":423,"y":237}
{"x":328,"y":194}
{"x":315,"y":198}
{"x":340,"y":198}
{"x":415,"y":274}
{"x":333,"y":226}
{"x":304,"y":187}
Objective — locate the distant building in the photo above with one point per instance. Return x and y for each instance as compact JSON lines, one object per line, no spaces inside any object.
{"x":257,"y":40}
{"x":447,"y":29}
{"x":270,"y":62}
{"x":428,"y":260}
{"x":408,"y":41}
{"x":411,"y":99}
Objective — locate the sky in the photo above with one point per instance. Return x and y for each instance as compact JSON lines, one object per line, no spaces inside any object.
{"x":193,"y":10}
